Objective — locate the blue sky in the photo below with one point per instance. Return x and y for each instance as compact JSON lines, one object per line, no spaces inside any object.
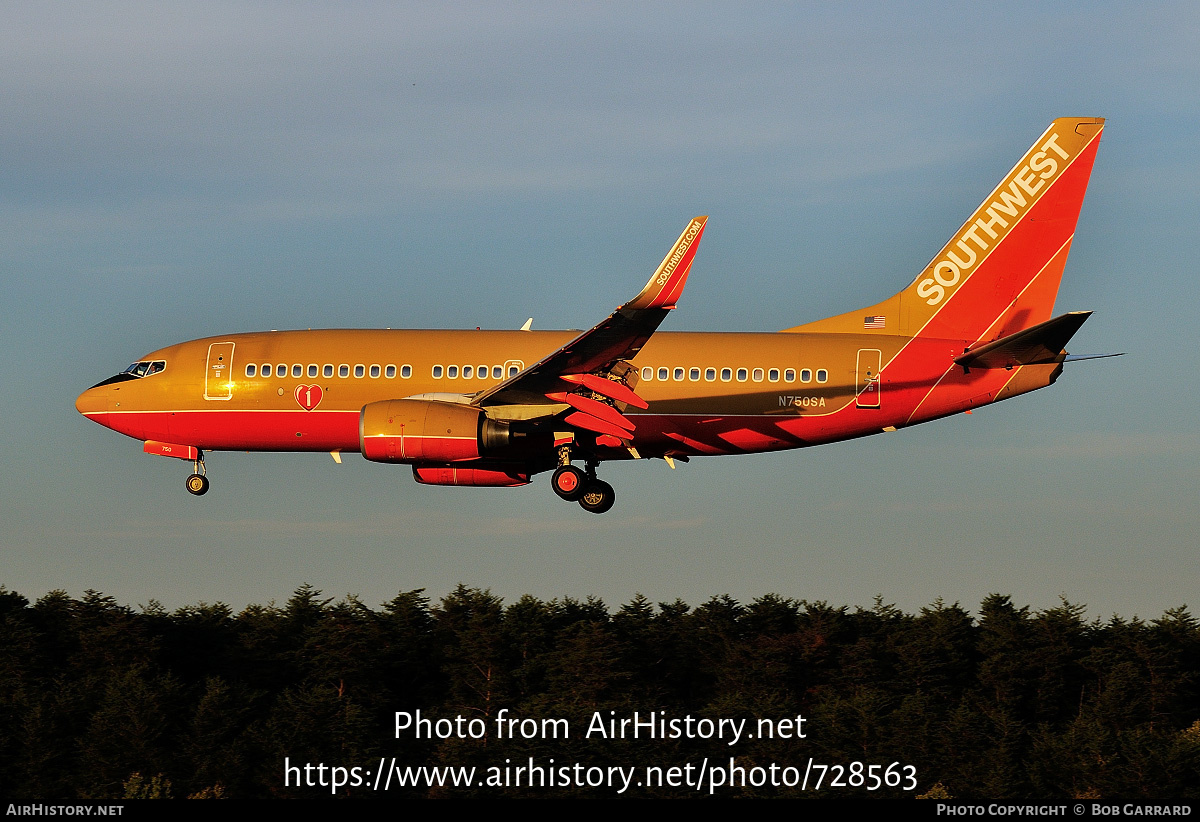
{"x":172,"y":171}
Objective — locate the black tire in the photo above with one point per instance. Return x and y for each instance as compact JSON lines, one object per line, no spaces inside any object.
{"x":598,"y":496}
{"x":197,"y":484}
{"x":569,"y":482}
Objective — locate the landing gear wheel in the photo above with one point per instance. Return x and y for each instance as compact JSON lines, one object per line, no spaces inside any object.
{"x":197,"y":484}
{"x":568,"y":482}
{"x":598,"y":497}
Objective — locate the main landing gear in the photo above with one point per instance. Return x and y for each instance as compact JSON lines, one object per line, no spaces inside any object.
{"x":197,"y":482}
{"x":574,"y":485}
{"x":598,"y":496}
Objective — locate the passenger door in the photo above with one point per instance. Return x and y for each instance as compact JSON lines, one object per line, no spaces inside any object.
{"x":218,"y":373}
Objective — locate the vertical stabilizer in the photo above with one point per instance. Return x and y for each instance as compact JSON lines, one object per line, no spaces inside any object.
{"x":1000,"y":272}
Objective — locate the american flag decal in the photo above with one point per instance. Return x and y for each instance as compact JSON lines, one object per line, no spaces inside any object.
{"x":877,"y":321}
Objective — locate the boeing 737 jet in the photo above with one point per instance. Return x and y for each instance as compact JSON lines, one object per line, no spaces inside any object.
{"x":494,"y":408}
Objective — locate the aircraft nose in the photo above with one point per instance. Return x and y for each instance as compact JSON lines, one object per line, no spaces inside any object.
{"x":93,"y":404}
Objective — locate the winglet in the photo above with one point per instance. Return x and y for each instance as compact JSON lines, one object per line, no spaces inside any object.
{"x":666,"y":284}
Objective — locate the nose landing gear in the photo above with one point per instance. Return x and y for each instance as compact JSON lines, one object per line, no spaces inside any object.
{"x":197,"y":482}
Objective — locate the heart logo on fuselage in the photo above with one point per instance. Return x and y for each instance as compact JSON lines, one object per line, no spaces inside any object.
{"x":309,"y":396}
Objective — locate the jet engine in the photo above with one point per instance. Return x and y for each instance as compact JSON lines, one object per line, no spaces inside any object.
{"x":427,"y":431}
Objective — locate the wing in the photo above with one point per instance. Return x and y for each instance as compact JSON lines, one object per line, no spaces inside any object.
{"x":593,"y":361}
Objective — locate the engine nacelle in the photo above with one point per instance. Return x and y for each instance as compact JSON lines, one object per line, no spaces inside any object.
{"x":427,"y":431}
{"x":495,"y":476}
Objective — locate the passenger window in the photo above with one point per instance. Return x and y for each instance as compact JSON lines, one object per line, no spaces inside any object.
{"x":406,"y":371}
{"x":437,"y":372}
{"x":789,"y":375}
{"x":822,"y":375}
{"x":481,"y":372}
{"x":374,"y":372}
{"x":664,"y":373}
{"x":297,"y":370}
{"x":742,"y":374}
{"x":806,"y":375}
{"x":328,"y":370}
{"x":647,"y":373}
{"x":773,"y":375}
{"x":312,"y":370}
{"x":694,"y":375}
{"x":390,"y":372}
{"x":250,"y":370}
{"x":497,"y":372}
{"x":266,"y":369}
{"x":726,"y":374}
{"x":757,"y":376}
{"x":710,"y":374}
{"x":468,"y":372}
{"x":513,"y":371}
{"x":359,"y":370}
{"x":343,"y":370}
{"x":679,"y":375}
{"x":452,"y":372}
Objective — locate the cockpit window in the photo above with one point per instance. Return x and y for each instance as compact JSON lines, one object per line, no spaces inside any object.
{"x":136,"y":371}
{"x":145,"y":368}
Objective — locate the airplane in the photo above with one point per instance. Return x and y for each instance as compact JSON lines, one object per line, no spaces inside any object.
{"x":494,"y":408}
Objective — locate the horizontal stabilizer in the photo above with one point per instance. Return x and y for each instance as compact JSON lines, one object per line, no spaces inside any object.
{"x":1078,"y":357}
{"x":1041,"y":343}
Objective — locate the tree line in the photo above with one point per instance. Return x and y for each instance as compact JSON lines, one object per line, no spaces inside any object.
{"x":101,"y":701}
